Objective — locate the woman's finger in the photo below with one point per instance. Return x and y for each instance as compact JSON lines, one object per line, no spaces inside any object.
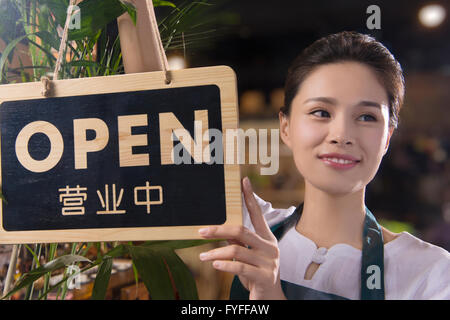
{"x":236,"y":233}
{"x":250,"y":272}
{"x":235,"y":253}
{"x":258,"y":221}
{"x":236,"y":242}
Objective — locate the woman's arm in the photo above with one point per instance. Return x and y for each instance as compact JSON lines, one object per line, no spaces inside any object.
{"x":253,"y":256}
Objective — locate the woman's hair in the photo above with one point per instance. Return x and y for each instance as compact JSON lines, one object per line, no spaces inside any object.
{"x":349,"y":46}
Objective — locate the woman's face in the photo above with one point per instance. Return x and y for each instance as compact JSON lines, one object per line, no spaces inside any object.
{"x":338,"y":128}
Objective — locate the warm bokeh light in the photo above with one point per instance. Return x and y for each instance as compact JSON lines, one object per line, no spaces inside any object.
{"x":252,"y":102}
{"x":176,"y":62}
{"x":432,"y":15}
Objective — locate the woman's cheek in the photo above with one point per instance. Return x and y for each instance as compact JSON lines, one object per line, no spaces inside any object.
{"x":308,"y":134}
{"x":306,"y":137}
{"x":373,"y":150}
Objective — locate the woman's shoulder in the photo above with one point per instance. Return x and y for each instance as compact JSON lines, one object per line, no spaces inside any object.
{"x":421,"y":269}
{"x":408,"y":246}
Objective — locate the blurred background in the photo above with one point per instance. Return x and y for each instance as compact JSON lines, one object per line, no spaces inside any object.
{"x":259,"y":39}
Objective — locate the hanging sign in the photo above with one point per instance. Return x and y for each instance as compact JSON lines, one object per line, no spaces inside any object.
{"x":125,"y":157}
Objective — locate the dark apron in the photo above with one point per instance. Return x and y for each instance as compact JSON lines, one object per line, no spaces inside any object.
{"x":372,"y":265}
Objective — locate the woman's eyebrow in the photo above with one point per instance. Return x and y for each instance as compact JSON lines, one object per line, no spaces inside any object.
{"x":322,"y":99}
{"x":366,"y":103}
{"x":332,"y":101}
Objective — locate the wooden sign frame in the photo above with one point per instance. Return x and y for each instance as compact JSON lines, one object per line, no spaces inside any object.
{"x":221,"y":76}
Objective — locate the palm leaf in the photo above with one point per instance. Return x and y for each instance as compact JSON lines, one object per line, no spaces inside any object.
{"x":153,"y":272}
{"x":5,"y":54}
{"x":183,"y":280}
{"x":102,"y":279}
{"x":50,"y":266}
{"x":95,"y":14}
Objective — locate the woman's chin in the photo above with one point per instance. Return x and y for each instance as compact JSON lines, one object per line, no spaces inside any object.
{"x":338,"y":189}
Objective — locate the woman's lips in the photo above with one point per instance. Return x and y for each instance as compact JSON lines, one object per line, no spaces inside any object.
{"x":338,"y":161}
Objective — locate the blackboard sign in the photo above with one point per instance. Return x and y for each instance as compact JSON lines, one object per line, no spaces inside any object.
{"x":103,"y":159}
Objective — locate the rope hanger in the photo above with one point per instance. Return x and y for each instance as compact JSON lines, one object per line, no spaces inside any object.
{"x":46,"y":83}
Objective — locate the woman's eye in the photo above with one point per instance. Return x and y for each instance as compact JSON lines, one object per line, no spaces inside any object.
{"x":368,"y":117}
{"x":321,"y":113}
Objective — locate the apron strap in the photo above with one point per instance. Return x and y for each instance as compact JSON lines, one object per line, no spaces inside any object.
{"x":372,"y":260}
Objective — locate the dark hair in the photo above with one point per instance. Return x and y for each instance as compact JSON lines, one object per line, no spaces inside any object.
{"x":349,"y":46}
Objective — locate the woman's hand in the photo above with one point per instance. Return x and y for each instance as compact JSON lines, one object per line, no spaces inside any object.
{"x":253,"y":256}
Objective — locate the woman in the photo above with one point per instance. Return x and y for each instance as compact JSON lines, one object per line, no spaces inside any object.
{"x":342,"y":99}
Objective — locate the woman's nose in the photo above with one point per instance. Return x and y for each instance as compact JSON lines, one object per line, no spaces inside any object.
{"x":341,"y":133}
{"x":342,"y":141}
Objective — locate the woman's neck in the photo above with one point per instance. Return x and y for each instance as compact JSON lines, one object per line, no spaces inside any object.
{"x":330,"y":219}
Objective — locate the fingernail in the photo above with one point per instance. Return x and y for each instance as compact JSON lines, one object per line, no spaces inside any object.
{"x":203,"y":231}
{"x":204,"y":255}
{"x":247,"y":183}
{"x":217,"y":264}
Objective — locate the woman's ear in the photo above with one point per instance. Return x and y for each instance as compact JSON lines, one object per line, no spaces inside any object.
{"x":386,"y":147}
{"x":284,"y":128}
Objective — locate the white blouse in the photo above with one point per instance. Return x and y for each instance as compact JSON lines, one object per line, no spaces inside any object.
{"x":413,"y":269}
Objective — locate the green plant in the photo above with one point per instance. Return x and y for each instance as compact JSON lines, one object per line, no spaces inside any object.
{"x":164,"y":274}
{"x":34,"y":24}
